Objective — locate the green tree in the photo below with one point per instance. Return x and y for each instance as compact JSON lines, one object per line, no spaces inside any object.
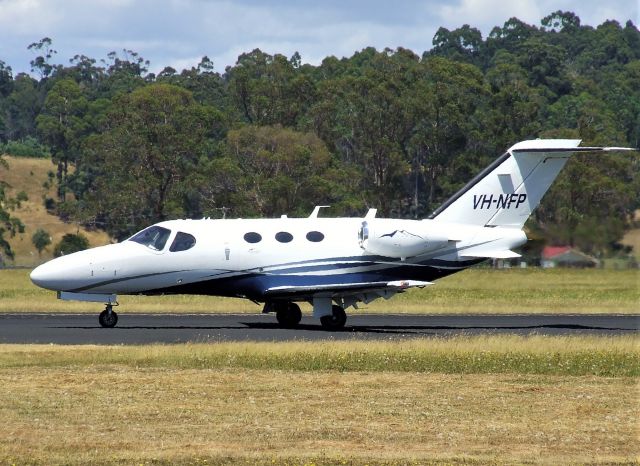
{"x":61,"y":126}
{"x":8,"y":224}
{"x":363,"y":116}
{"x":41,"y":63}
{"x":21,"y":107}
{"x":207,"y":86}
{"x":462,"y":44}
{"x":270,"y":90}
{"x":285,"y":171}
{"x":70,"y":243}
{"x":41,"y":239}
{"x":513,"y":111}
{"x":139,"y":167}
{"x":445,"y":98}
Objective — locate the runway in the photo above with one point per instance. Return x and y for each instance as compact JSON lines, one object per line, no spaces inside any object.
{"x":164,"y":328}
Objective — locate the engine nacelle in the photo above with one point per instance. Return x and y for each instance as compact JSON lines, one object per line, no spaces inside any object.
{"x":399,"y":239}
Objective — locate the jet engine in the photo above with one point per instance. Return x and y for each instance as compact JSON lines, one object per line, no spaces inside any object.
{"x":399,"y":239}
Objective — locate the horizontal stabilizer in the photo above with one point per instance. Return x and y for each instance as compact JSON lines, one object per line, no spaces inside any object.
{"x":506,"y":254}
{"x":574,"y":149}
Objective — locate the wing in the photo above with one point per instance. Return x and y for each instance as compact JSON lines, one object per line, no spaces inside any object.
{"x":342,"y":290}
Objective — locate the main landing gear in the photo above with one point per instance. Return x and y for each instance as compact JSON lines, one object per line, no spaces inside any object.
{"x":336,"y":320}
{"x":289,"y":315}
{"x":108,"y":318}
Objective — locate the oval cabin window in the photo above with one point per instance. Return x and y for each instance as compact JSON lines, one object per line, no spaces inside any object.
{"x":284,"y":237}
{"x":252,"y":237}
{"x":315,"y":236}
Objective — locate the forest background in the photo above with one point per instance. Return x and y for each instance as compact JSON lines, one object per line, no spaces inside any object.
{"x":389,"y":129}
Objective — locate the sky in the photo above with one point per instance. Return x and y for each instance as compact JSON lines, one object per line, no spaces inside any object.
{"x":178,"y":33}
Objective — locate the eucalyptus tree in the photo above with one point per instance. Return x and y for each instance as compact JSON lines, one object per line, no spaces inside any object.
{"x":151,"y":144}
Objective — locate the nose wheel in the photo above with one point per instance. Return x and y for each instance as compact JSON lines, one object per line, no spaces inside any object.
{"x":108,"y":318}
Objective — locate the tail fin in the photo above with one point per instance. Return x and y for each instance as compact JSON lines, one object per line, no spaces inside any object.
{"x":508,"y":190}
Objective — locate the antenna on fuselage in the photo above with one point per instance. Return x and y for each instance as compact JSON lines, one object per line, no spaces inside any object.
{"x":316,"y":210}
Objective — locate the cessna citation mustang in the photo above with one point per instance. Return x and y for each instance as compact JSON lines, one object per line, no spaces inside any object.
{"x":332,"y":263}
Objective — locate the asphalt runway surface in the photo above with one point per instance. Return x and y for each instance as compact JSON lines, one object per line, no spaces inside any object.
{"x":179,"y":328}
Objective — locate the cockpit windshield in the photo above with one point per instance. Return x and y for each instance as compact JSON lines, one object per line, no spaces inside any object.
{"x":154,"y":237}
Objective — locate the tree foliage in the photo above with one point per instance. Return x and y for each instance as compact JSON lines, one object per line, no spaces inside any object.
{"x":70,"y":243}
{"x":9,"y":224}
{"x":138,"y":167}
{"x":41,"y":239}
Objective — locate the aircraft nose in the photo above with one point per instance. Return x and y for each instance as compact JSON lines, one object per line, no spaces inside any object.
{"x":62,"y":274}
{"x":45,"y":276}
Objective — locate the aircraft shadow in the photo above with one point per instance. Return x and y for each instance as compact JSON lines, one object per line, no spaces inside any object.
{"x":365,"y":329}
{"x":422,"y":328}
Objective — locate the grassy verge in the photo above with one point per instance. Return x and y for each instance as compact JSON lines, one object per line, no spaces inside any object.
{"x":206,"y":404}
{"x":600,"y":356}
{"x":472,"y":291}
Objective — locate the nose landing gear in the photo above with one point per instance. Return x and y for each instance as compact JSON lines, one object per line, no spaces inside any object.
{"x":108,"y":318}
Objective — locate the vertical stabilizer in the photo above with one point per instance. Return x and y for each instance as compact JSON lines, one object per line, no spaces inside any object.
{"x":508,"y":190}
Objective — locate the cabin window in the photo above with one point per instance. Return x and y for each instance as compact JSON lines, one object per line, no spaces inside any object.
{"x":252,"y":237}
{"x":154,"y":237}
{"x":315,"y":236}
{"x":182,"y":242}
{"x":284,"y":237}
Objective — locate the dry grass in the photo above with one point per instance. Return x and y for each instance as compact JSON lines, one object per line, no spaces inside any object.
{"x":125,"y":415}
{"x":474,"y":291}
{"x":187,"y":404}
{"x":29,"y":174}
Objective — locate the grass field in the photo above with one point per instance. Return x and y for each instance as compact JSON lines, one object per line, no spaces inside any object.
{"x":550,"y":401}
{"x":472,"y":291}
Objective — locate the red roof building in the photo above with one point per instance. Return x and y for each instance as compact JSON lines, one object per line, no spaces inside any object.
{"x":566,"y":256}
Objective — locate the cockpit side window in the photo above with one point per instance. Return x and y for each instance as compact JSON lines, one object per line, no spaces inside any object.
{"x":154,"y":237}
{"x":182,"y":242}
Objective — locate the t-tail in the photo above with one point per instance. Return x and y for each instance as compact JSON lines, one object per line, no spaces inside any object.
{"x":507,"y":191}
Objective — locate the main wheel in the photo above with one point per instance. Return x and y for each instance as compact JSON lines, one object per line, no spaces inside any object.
{"x":336,"y":320}
{"x":288,"y":314}
{"x":108,"y":318}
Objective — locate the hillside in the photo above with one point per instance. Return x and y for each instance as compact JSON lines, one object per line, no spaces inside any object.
{"x":29,"y":175}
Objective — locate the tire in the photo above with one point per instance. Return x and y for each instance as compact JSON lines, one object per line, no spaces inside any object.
{"x":336,"y":320}
{"x":108,"y":319}
{"x":288,"y":315}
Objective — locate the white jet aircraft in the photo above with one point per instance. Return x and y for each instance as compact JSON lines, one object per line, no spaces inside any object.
{"x":332,"y":263}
